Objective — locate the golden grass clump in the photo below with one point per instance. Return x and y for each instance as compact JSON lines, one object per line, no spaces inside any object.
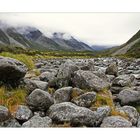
{"x":11,"y":98}
{"x":104,"y":97}
{"x":114,"y":112}
{"x":51,"y":90}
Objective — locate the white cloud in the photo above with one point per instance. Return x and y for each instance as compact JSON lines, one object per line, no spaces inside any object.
{"x":93,"y":28}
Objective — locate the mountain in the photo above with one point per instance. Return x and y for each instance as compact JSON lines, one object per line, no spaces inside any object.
{"x":130,"y":48}
{"x":33,"y":38}
{"x":69,"y":42}
{"x":11,"y":37}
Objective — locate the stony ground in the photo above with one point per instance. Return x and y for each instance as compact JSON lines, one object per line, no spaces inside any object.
{"x":100,"y":92}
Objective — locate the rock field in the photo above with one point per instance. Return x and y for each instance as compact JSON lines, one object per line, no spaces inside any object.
{"x":76,"y":86}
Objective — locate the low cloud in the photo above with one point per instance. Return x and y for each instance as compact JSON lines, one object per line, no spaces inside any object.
{"x":93,"y":28}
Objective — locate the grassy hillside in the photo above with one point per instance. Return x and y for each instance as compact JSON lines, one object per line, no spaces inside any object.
{"x":136,"y":36}
{"x":134,"y":51}
{"x":129,"y":49}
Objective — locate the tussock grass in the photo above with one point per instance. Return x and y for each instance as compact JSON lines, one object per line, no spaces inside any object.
{"x":11,"y":98}
{"x":104,"y":98}
{"x":51,"y":90}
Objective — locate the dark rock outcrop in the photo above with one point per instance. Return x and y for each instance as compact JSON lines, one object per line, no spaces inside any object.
{"x":11,"y":70}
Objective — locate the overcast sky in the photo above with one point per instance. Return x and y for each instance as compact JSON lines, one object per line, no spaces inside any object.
{"x":93,"y":28}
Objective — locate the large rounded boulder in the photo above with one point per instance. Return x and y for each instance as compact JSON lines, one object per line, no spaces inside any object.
{"x":4,"y":113}
{"x":115,"y":121}
{"x":85,"y":100}
{"x":23,"y":113}
{"x":31,"y":85}
{"x":39,"y":100}
{"x":65,"y":73}
{"x":129,"y":96}
{"x":88,"y":80}
{"x":112,"y":69}
{"x":123,"y":80}
{"x":62,"y":95}
{"x":37,"y":121}
{"x":11,"y":70}
{"x":71,"y":113}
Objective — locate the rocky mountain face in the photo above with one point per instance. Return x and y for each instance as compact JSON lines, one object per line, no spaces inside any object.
{"x":69,"y":42}
{"x":30,"y":37}
{"x":98,"y":92}
{"x":131,"y":47}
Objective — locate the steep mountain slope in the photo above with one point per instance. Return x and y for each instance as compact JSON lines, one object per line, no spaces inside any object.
{"x":4,"y":38}
{"x":38,"y":37}
{"x":33,"y":38}
{"x":10,"y":36}
{"x":130,"y":48}
{"x":69,"y":42}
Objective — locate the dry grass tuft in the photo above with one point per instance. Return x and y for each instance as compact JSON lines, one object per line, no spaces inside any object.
{"x":51,"y":90}
{"x":104,"y":97}
{"x":12,"y":98}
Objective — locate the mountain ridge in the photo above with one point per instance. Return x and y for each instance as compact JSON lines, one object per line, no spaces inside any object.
{"x":130,"y":48}
{"x":31,"y":37}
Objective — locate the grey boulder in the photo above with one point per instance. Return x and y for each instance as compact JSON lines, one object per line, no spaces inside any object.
{"x":11,"y":70}
{"x":65,"y":73}
{"x":39,"y":100}
{"x":101,"y":113}
{"x":69,"y":112}
{"x":4,"y":113}
{"x":112,"y":69}
{"x":48,"y":76}
{"x":67,"y":69}
{"x":23,"y":113}
{"x":115,"y":122}
{"x":131,"y":113}
{"x":62,"y":95}
{"x":88,"y":80}
{"x":11,"y":122}
{"x":129,"y":96}
{"x":123,"y":80}
{"x":35,"y":84}
{"x":37,"y":121}
{"x":85,"y":100}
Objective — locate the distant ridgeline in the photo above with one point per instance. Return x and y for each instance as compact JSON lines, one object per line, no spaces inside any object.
{"x":32,"y":38}
{"x":28,"y":39}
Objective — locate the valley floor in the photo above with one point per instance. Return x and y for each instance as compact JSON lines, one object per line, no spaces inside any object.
{"x":68,"y":91}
